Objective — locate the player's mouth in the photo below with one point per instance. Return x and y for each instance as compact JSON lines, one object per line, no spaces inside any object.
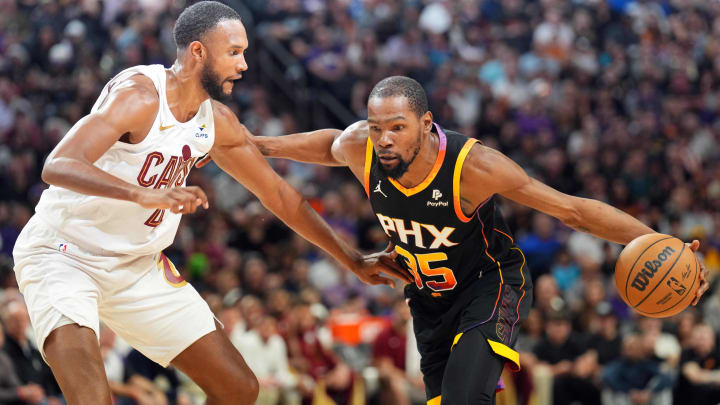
{"x":387,"y":159}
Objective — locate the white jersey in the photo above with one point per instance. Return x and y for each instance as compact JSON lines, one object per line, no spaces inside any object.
{"x":163,"y":159}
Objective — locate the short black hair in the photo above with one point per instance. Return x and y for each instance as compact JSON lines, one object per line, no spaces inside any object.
{"x":196,"y":20}
{"x":402,"y":86}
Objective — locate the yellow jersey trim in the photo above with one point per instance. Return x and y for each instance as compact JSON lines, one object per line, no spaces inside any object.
{"x":368,"y":162}
{"x":517,"y":310}
{"x":435,"y":401}
{"x":456,"y":179}
{"x":504,"y":351}
{"x":457,"y":339}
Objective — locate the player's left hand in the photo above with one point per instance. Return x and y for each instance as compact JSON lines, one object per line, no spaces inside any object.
{"x":370,"y":267}
{"x":704,"y":285}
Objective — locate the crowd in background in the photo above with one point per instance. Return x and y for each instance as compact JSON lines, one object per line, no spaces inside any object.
{"x":615,"y":100}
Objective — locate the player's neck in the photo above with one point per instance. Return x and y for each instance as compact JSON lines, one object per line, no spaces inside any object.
{"x":184,"y":92}
{"x":424,"y":161}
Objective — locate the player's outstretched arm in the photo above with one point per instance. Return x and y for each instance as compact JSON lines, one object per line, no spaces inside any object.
{"x":308,"y":147}
{"x":238,"y":156}
{"x":498,"y":174}
{"x":327,"y":147}
{"x":128,"y":110}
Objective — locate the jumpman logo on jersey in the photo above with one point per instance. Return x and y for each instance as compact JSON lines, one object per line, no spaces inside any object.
{"x":378,"y":190}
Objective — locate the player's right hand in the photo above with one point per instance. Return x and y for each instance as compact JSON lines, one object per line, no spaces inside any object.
{"x":382,"y":262}
{"x":179,"y":200}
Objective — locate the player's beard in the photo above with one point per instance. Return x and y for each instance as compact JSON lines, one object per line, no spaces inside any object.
{"x":400,"y":168}
{"x":211,"y":82}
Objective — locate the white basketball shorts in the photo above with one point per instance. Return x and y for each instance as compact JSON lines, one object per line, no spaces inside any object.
{"x":142,"y":298}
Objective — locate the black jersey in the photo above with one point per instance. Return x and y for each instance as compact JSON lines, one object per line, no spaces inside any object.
{"x":446,"y":251}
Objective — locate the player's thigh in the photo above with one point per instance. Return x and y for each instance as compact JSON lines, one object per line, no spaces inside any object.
{"x":62,"y":303}
{"x":73,"y":353}
{"x":472,"y":371}
{"x":160,"y":314}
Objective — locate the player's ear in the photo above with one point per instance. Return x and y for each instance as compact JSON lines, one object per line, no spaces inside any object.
{"x":197,"y":51}
{"x":427,"y":121}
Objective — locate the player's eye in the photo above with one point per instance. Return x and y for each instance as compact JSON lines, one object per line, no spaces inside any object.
{"x":235,"y":52}
{"x":398,"y":127}
{"x":375,"y":128}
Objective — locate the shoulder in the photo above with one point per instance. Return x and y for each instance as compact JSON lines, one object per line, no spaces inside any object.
{"x":482,"y":160}
{"x":138,"y":88}
{"x":227,"y":125}
{"x":352,"y":143}
{"x":131,"y":99}
{"x":489,"y":167}
{"x":356,"y":134}
{"x":221,"y":111}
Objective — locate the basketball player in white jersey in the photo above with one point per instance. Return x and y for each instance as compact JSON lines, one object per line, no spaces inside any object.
{"x":93,"y":249}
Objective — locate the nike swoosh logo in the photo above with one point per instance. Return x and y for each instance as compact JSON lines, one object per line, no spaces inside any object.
{"x":162,"y":128}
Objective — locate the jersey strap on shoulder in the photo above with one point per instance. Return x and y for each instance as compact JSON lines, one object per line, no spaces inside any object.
{"x":456,"y":178}
{"x":368,"y":163}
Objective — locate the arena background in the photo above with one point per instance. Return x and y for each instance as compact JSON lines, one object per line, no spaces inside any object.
{"x":615,"y":100}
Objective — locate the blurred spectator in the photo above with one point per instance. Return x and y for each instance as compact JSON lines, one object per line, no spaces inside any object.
{"x":266,"y":354}
{"x":636,"y":378}
{"x":322,"y":373}
{"x":389,"y":352}
{"x":614,"y":100}
{"x":547,"y":295}
{"x":541,"y":245}
{"x":571,"y":367}
{"x":606,"y":340}
{"x":148,"y":381}
{"x":12,"y":390}
{"x":699,"y":369}
{"x":26,"y":359}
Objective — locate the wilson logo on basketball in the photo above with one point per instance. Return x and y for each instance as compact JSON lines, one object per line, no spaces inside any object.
{"x":642,"y":279}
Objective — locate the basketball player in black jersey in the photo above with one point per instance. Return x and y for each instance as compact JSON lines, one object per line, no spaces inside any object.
{"x":433,"y":191}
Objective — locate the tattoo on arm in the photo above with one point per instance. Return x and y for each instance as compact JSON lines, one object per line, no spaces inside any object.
{"x":263,"y":149}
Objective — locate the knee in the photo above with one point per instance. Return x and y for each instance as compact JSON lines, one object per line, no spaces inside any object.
{"x":240,"y":387}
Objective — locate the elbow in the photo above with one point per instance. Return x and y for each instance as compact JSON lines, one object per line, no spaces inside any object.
{"x":572,"y":215}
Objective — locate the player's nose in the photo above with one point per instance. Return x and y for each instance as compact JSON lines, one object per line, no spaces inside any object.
{"x":242,"y":65}
{"x":385,"y":140}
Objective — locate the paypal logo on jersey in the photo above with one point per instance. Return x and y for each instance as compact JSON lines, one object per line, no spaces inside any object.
{"x":436,"y":195}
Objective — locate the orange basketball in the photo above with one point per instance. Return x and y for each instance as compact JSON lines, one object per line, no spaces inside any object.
{"x":657,"y":275}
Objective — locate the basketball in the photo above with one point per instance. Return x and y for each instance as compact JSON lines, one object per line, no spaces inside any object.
{"x":657,"y":275}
